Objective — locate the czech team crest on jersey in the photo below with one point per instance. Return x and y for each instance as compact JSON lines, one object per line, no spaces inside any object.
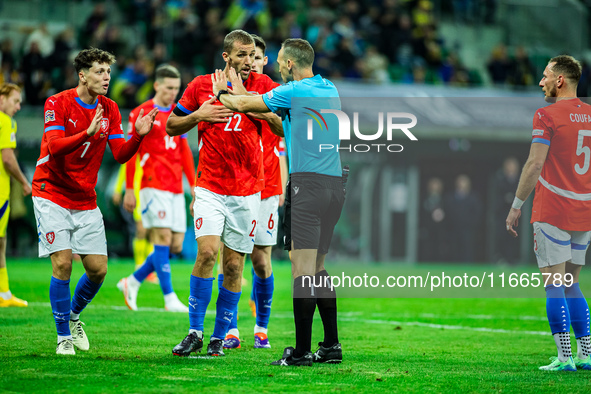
{"x":104,"y":126}
{"x":50,"y":237}
{"x":161,"y":214}
{"x":198,"y":223}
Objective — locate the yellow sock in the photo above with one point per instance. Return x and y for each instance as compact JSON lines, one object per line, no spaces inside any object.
{"x":4,"y":280}
{"x":138,"y":252}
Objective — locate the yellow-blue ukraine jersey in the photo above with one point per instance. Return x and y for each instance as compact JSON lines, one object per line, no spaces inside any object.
{"x":7,"y":140}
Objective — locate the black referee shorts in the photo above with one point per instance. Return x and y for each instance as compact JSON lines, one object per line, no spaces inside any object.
{"x":312,"y":209}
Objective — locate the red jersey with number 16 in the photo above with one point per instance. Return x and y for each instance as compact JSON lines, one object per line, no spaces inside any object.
{"x":563,"y":191}
{"x":230,"y":153}
{"x":68,"y":179}
{"x":163,"y":158}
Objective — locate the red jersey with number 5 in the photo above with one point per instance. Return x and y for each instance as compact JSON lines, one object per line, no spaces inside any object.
{"x":563,"y":191}
{"x":162,"y":157}
{"x":69,"y":180}
{"x":230,"y":153}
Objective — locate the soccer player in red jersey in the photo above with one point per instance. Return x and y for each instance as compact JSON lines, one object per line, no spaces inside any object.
{"x":275,"y":168}
{"x":558,"y":168}
{"x":228,"y":189}
{"x":79,"y":123}
{"x":163,"y":159}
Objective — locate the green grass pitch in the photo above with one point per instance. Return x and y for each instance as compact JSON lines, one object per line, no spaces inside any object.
{"x":457,"y":345}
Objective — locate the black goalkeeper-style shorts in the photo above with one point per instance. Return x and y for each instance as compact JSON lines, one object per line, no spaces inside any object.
{"x":313,"y":207}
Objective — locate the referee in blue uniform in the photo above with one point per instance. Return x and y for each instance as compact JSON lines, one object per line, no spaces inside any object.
{"x":315,"y":195}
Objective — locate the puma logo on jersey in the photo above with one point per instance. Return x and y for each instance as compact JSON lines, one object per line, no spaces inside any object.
{"x":540,"y":115}
{"x":51,"y":101}
{"x":70,"y":120}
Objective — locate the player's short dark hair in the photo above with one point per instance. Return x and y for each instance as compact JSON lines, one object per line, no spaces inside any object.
{"x":299,"y":51}
{"x":167,"y":71}
{"x":86,"y":57}
{"x":236,"y":36}
{"x":259,"y":42}
{"x":567,"y":66}
{"x":7,"y":88}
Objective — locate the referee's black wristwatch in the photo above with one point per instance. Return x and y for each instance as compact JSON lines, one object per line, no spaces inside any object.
{"x":220,"y":93}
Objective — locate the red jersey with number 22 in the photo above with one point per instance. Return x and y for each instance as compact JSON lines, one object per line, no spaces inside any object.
{"x":563,"y":191}
{"x":230,"y":153}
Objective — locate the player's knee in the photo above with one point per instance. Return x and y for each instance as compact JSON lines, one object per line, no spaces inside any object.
{"x":62,"y":267}
{"x":176,"y":249}
{"x":97,"y":274}
{"x":206,"y":255}
{"x":232,"y":269}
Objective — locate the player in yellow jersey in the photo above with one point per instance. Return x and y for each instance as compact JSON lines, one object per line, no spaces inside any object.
{"x":10,"y":104}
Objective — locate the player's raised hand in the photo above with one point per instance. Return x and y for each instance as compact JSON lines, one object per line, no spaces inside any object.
{"x":208,"y":112}
{"x":513,"y":220}
{"x":236,"y":81}
{"x":95,"y":125}
{"x":219,"y":81}
{"x":143,"y":124}
{"x":129,"y":200}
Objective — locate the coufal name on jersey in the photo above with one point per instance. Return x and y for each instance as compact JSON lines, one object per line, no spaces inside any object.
{"x":580,"y":118}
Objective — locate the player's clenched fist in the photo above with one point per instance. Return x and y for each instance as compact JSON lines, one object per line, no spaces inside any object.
{"x":144,"y":124}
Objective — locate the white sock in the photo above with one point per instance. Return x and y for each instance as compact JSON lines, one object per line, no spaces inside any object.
{"x":132,"y":281}
{"x":170,"y":297}
{"x":562,"y":340}
{"x":583,"y":347}
{"x":258,"y":329}
{"x":235,"y":332}
{"x":74,"y":316}
{"x":60,"y":338}
{"x":7,"y":295}
{"x":199,"y":333}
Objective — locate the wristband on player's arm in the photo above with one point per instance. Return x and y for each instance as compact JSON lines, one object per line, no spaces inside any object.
{"x":220,"y":93}
{"x":517,"y":203}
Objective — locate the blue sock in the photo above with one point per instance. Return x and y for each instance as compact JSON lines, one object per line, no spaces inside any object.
{"x":234,"y":322}
{"x":145,"y":269}
{"x":59,"y":295}
{"x":557,"y":309}
{"x":252,"y":291}
{"x":84,"y":293}
{"x":161,"y":261}
{"x":200,"y":295}
{"x":578,"y":309}
{"x":225,"y":307}
{"x":264,"y":298}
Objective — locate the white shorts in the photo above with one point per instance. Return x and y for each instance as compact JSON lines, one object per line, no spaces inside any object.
{"x":234,"y":218}
{"x":266,"y":234}
{"x":82,"y":232}
{"x":555,"y":246}
{"x":162,"y":209}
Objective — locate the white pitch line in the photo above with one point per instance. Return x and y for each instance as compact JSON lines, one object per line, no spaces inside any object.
{"x":343,"y":317}
{"x":446,"y":326}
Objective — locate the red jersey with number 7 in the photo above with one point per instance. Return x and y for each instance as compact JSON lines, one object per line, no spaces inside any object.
{"x":563,"y":191}
{"x":69,"y":179}
{"x":163,"y":158}
{"x":230,"y":153}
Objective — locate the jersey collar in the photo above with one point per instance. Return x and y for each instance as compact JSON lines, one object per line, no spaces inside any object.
{"x":87,"y":106}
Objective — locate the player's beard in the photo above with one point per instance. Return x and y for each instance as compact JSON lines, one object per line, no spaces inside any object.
{"x":287,"y":77}
{"x":550,"y":96}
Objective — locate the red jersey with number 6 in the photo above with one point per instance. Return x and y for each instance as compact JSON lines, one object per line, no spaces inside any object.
{"x":162,"y":157}
{"x":563,"y":191}
{"x":230,"y":153}
{"x":69,"y":180}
